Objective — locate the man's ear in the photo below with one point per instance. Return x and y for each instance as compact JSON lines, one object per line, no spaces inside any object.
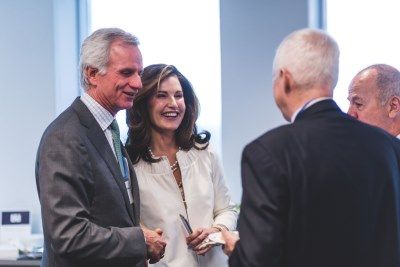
{"x":288,"y":81}
{"x":393,"y":106}
{"x":91,"y":75}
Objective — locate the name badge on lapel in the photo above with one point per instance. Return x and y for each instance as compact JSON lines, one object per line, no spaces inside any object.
{"x":127,"y":179}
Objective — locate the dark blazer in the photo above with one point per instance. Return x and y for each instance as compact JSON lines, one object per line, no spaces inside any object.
{"x":87,"y":217}
{"x":321,"y":192}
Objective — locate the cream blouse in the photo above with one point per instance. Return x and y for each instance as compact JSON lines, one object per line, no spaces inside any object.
{"x":207,"y":197}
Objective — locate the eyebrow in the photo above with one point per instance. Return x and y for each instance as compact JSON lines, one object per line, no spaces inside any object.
{"x":126,"y":69}
{"x":353,"y":97}
{"x":164,"y":91}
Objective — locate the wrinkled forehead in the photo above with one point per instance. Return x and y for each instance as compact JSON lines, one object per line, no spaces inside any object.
{"x":364,"y":80}
{"x":357,"y":92}
{"x":362,"y":91}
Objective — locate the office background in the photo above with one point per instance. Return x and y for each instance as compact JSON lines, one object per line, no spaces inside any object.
{"x":39,"y":78}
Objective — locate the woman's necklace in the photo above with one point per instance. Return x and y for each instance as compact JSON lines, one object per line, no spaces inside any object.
{"x":174,"y":167}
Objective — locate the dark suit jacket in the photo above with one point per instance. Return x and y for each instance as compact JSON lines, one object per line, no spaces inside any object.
{"x":87,"y":217}
{"x":321,"y":192}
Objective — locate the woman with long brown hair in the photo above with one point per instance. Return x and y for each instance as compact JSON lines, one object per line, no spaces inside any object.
{"x":178,"y":172}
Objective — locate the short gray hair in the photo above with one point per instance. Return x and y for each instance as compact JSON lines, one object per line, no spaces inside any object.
{"x":387,"y":81}
{"x":311,"y":56}
{"x":96,"y":48}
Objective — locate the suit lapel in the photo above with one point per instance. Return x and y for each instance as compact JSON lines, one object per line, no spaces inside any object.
{"x":99,"y":140}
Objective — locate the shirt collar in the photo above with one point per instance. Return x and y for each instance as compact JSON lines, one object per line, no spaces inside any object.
{"x":102,"y":115}
{"x":307,"y":105}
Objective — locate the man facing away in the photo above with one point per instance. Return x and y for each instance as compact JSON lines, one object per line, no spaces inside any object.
{"x":86,"y":184}
{"x":374,"y":95}
{"x":323,"y":190}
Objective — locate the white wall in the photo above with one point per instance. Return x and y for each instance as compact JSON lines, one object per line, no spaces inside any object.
{"x":67,"y":37}
{"x":37,"y":38}
{"x":28,"y":97}
{"x":250,"y":33}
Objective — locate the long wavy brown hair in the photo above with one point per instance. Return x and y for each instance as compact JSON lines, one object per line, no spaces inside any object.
{"x":138,"y":117}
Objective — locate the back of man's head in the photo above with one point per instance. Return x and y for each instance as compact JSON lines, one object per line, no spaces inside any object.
{"x":95,"y":50}
{"x":311,"y":56}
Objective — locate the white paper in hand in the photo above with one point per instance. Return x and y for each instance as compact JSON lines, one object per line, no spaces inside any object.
{"x":217,"y":237}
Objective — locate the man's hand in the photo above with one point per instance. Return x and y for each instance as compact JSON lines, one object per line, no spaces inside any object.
{"x":230,"y":242}
{"x":155,"y":244}
{"x":196,"y":239}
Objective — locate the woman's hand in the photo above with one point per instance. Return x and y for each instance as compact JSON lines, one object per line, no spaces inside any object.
{"x":196,"y":239}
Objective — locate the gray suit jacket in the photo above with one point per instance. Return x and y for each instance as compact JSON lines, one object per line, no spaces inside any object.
{"x":87,"y":217}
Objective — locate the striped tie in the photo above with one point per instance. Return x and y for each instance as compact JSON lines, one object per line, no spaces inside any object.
{"x":117,"y":145}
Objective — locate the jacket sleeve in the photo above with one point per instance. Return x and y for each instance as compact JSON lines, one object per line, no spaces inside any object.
{"x":264,"y":211}
{"x":66,"y":185}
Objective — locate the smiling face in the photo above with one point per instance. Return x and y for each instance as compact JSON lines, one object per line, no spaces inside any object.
{"x":116,"y":89}
{"x":167,"y":106}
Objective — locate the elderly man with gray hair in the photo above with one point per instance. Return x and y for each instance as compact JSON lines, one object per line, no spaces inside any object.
{"x":323,"y":190}
{"x":374,"y":95}
{"x":86,"y":183}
